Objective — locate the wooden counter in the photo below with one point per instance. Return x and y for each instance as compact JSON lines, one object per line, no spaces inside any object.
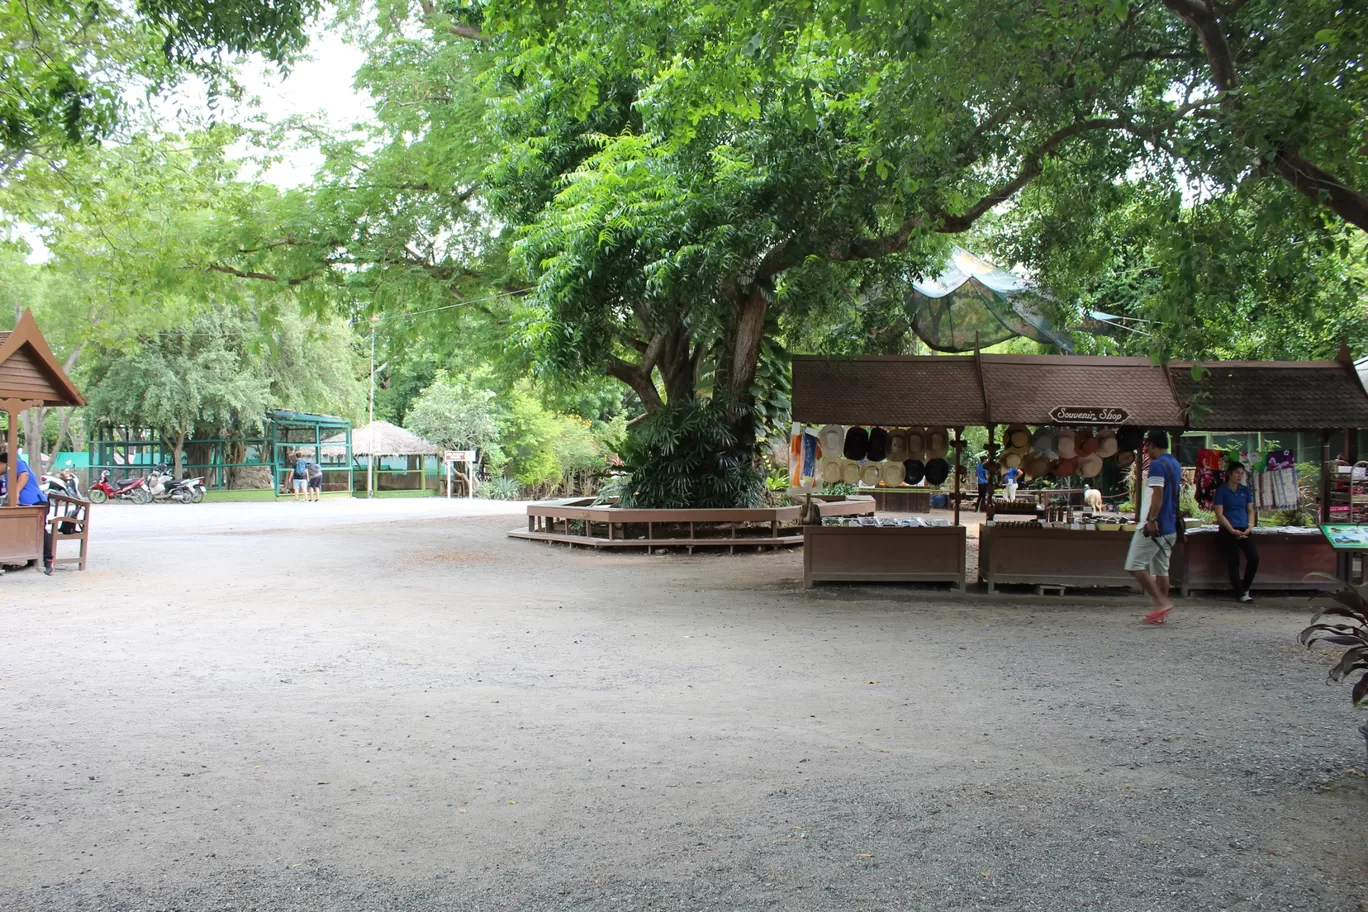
{"x":872,"y":554}
{"x":21,"y":534}
{"x":1033,"y":555}
{"x":1285,"y":560}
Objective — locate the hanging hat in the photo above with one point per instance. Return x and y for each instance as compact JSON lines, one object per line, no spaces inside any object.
{"x":850,"y":472}
{"x":892,"y":473}
{"x":831,"y":435}
{"x":869,"y":474}
{"x":1087,"y":446}
{"x":1017,"y":437}
{"x":831,"y":471}
{"x":1044,"y":440}
{"x":1125,"y":459}
{"x":1064,"y":468}
{"x":914,"y":470}
{"x":1106,"y":444}
{"x":916,"y":442}
{"x":1037,"y":465}
{"x":1130,"y":437}
{"x":1067,"y":448}
{"x":897,"y":444}
{"x":1010,"y":460}
{"x":937,"y":442}
{"x":937,"y":470}
{"x":878,"y":445}
{"x":856,"y":444}
{"x":1090,"y":466}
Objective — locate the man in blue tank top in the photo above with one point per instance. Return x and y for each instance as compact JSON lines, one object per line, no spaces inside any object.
{"x":1156,"y":530}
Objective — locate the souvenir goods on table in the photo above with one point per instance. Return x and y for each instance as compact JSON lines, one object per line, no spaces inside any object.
{"x":878,"y":445}
{"x":856,"y":444}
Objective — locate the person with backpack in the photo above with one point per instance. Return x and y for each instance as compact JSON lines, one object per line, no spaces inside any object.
{"x":299,"y":478}
{"x":1151,"y":547}
{"x":315,"y":491}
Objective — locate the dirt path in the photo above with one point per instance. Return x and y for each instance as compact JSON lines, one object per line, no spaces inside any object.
{"x":404,"y":710}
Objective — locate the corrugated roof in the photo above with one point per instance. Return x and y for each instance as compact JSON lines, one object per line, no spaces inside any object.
{"x":1263,"y":395}
{"x":897,"y":391}
{"x":1027,"y":388}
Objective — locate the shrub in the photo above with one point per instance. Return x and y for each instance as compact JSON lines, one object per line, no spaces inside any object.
{"x":1351,"y":606}
{"x":687,"y":455}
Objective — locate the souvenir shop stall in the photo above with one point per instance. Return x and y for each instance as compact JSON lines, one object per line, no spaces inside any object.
{"x":880,"y":420}
{"x":874,"y":421}
{"x":1281,"y":400}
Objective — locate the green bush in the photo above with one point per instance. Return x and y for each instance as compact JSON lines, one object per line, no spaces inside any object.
{"x":687,"y":455}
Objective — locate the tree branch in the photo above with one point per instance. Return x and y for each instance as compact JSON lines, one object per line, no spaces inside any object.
{"x":459,"y":29}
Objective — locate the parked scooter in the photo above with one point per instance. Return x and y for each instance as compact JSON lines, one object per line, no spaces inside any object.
{"x":131,"y":489}
{"x":163,"y":486}
{"x":65,"y":482}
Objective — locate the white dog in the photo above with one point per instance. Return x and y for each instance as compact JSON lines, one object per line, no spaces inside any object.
{"x":1093,"y":498}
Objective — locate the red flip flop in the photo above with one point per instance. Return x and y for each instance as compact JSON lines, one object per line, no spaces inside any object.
{"x":1157,"y":617}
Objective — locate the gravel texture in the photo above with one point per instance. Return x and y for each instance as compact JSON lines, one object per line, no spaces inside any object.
{"x":392,"y":708}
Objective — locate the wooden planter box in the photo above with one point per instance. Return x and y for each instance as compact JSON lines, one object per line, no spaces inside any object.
{"x":21,"y":534}
{"x":1030,"y":554}
{"x":869,"y":554}
{"x":1285,"y":560}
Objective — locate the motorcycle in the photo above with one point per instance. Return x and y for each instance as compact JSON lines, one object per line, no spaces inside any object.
{"x":65,"y":482}
{"x":163,"y":486}
{"x":196,"y":486}
{"x":131,"y":489}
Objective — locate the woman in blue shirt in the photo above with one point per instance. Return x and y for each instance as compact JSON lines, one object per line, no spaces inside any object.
{"x":1235,"y":516}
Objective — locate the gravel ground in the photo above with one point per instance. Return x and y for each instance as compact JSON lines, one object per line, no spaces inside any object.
{"x":254,"y":707}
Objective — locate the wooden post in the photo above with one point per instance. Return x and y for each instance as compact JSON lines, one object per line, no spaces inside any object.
{"x":12,"y":445}
{"x":1327,"y":470}
{"x":959,"y":456}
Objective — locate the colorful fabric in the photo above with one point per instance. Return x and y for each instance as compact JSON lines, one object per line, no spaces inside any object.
{"x":1279,"y":459}
{"x":1210,"y":476}
{"x":1275,"y":490}
{"x":805,"y":449}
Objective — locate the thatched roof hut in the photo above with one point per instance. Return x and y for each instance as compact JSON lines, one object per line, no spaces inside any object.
{"x":380,"y":438}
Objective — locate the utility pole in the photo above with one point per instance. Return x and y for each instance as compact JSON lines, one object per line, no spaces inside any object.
{"x":370,"y":457}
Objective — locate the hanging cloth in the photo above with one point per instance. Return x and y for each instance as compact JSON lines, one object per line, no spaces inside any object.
{"x":1210,"y":476}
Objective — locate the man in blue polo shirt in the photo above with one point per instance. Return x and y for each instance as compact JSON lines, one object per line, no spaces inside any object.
{"x":1152,"y":545}
{"x":30,"y":492}
{"x":984,"y":488}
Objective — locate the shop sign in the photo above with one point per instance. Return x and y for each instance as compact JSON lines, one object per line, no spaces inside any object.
{"x":459,"y":456}
{"x":1071,"y":414}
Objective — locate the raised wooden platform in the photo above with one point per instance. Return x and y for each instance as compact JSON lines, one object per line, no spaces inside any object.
{"x":577,"y":521}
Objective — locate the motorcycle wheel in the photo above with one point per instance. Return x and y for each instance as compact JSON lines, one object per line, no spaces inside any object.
{"x":197,"y":496}
{"x":141,"y":496}
{"x":97,"y":495}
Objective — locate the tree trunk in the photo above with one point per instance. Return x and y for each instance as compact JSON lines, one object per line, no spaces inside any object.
{"x":176,"y":453}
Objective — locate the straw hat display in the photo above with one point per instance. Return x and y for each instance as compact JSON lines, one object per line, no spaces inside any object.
{"x":1086,"y":444}
{"x":897,"y":444}
{"x":1125,"y":459}
{"x":856,"y":444}
{"x":850,"y":472}
{"x":1064,"y":468}
{"x":914,"y":470}
{"x":1106,"y":444}
{"x":1037,"y":465}
{"x":1090,"y":466}
{"x":937,"y":442}
{"x":831,"y":436}
{"x":916,"y":443}
{"x":1044,"y":440}
{"x":831,"y":471}
{"x":892,"y":474}
{"x":1067,"y":448}
{"x":878,"y":445}
{"x":869,"y":474}
{"x":937,"y":470}
{"x":1010,"y":460}
{"x":1017,"y":437}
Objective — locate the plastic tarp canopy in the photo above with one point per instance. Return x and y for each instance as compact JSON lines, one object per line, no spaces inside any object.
{"x":973,"y":301}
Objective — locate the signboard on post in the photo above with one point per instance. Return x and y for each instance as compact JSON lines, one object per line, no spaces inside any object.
{"x":450,"y":458}
{"x":1346,"y":536}
{"x":1078,"y":414}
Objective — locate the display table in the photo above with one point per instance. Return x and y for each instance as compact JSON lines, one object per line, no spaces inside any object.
{"x":21,"y":534}
{"x":1285,"y":560}
{"x":871,"y":554}
{"x":901,"y":500}
{"x":1034,"y":555}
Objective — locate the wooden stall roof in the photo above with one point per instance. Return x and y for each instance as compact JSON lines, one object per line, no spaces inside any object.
{"x":1026,"y":388}
{"x":29,"y":371}
{"x":1272,"y":395}
{"x":894,"y":390}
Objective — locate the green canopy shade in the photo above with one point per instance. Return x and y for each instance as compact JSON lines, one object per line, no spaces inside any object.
{"x":974,"y":302}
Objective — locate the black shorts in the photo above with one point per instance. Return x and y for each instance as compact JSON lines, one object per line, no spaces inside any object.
{"x":316,"y":483}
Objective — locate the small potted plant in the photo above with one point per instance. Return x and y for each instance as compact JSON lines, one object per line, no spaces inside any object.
{"x":1350,"y":630}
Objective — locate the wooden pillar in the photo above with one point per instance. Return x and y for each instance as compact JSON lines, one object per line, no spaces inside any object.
{"x":1327,"y":475}
{"x":12,"y":442}
{"x":955,"y":470}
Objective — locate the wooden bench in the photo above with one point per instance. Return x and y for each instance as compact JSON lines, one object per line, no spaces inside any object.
{"x":68,"y":520}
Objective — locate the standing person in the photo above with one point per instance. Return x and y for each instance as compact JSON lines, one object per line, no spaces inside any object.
{"x":1236,"y":517}
{"x":1009,"y":484}
{"x":984,"y":489}
{"x":1151,"y":547}
{"x":300,"y":478}
{"x":315,"y":481}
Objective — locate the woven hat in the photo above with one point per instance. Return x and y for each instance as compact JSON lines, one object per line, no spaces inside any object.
{"x":914,"y":470}
{"x":831,"y":471}
{"x":937,"y":442}
{"x":1044,"y":440}
{"x":1090,"y":466}
{"x":856,"y":444}
{"x":916,"y":441}
{"x":1037,"y":465}
{"x":850,"y":472}
{"x":878,"y":445}
{"x":1064,"y":468}
{"x":832,"y":436}
{"x":892,"y":473}
{"x":937,"y":470}
{"x":1106,"y":444}
{"x":1010,"y":460}
{"x":1017,"y":437}
{"x":1130,"y":438}
{"x":869,"y":474}
{"x":1087,"y":446}
{"x":1125,"y":459}
{"x":897,"y":444}
{"x":1067,"y":449}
